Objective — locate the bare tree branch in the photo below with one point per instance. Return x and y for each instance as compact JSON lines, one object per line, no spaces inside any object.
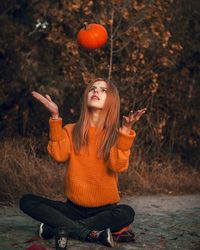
{"x":111,"y":46}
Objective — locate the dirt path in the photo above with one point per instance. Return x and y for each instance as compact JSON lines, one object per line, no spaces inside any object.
{"x":161,"y":222}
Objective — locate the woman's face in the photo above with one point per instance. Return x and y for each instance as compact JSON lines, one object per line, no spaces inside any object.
{"x":97,"y":95}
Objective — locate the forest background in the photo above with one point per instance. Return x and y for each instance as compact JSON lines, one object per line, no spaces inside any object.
{"x":153,"y":57}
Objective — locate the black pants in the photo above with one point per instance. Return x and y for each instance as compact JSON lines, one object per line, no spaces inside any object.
{"x":78,"y":220}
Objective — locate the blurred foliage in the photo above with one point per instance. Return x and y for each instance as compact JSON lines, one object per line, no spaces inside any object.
{"x":152,"y":56}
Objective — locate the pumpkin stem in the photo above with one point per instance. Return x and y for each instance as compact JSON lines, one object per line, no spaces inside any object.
{"x":85,"y":25}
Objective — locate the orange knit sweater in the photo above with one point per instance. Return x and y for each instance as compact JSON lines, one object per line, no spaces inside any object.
{"x":89,"y":180}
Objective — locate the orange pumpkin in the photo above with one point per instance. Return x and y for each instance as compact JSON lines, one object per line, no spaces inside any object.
{"x":92,"y":36}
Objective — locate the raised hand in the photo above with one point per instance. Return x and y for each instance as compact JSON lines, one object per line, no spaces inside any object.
{"x":48,"y":103}
{"x":132,"y":118}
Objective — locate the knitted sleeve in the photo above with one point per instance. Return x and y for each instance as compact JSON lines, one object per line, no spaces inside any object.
{"x":59,"y":144}
{"x":120,"y":152}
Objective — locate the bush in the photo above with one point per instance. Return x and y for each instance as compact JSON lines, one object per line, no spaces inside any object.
{"x":24,"y":169}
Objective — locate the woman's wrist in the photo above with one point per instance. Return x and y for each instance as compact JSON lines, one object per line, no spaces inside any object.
{"x":125,"y":130}
{"x":55,"y":116}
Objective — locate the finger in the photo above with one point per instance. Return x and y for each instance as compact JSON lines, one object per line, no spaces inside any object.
{"x":139,"y":115}
{"x":39,"y":97}
{"x":49,"y":98}
{"x":133,"y":115}
{"x":34,"y":93}
{"x":140,"y":111}
{"x":143,"y":110}
{"x":126,"y":119}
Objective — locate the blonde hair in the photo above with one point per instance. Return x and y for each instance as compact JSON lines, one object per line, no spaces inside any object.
{"x":109,"y":121}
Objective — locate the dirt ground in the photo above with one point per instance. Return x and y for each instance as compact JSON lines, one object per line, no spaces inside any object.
{"x":161,"y":222}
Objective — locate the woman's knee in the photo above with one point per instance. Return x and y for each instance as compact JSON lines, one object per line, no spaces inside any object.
{"x":25,"y":201}
{"x":127,"y":213}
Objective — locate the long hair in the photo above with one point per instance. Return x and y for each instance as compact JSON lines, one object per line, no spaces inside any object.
{"x":108,"y":124}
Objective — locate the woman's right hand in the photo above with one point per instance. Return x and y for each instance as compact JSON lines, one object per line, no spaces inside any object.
{"x":48,"y":103}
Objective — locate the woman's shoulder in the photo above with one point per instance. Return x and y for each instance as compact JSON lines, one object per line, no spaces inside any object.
{"x":69,"y":126}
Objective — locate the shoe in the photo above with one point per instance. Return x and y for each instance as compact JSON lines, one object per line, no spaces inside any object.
{"x":103,"y":237}
{"x":125,"y":236}
{"x":45,"y":232}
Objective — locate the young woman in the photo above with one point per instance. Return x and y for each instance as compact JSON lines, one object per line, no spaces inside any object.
{"x":95,"y":150}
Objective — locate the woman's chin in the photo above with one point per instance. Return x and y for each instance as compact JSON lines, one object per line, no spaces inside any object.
{"x":95,"y":107}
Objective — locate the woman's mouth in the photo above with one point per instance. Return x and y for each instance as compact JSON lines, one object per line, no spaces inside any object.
{"x":94,"y":97}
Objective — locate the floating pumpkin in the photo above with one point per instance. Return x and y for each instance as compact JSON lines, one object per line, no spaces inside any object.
{"x":92,"y":36}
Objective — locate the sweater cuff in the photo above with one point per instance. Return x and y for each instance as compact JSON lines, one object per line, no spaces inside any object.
{"x":125,"y":141}
{"x":55,"y":133}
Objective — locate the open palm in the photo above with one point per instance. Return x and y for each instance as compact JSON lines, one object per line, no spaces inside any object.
{"x":132,"y":118}
{"x":48,"y":103}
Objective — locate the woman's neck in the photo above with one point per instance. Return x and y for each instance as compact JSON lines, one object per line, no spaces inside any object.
{"x":94,"y":118}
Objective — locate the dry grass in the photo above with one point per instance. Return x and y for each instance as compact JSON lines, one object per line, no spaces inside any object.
{"x":23,"y":170}
{"x":160,"y":176}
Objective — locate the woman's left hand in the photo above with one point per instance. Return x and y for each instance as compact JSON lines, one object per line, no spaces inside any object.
{"x":132,"y":118}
